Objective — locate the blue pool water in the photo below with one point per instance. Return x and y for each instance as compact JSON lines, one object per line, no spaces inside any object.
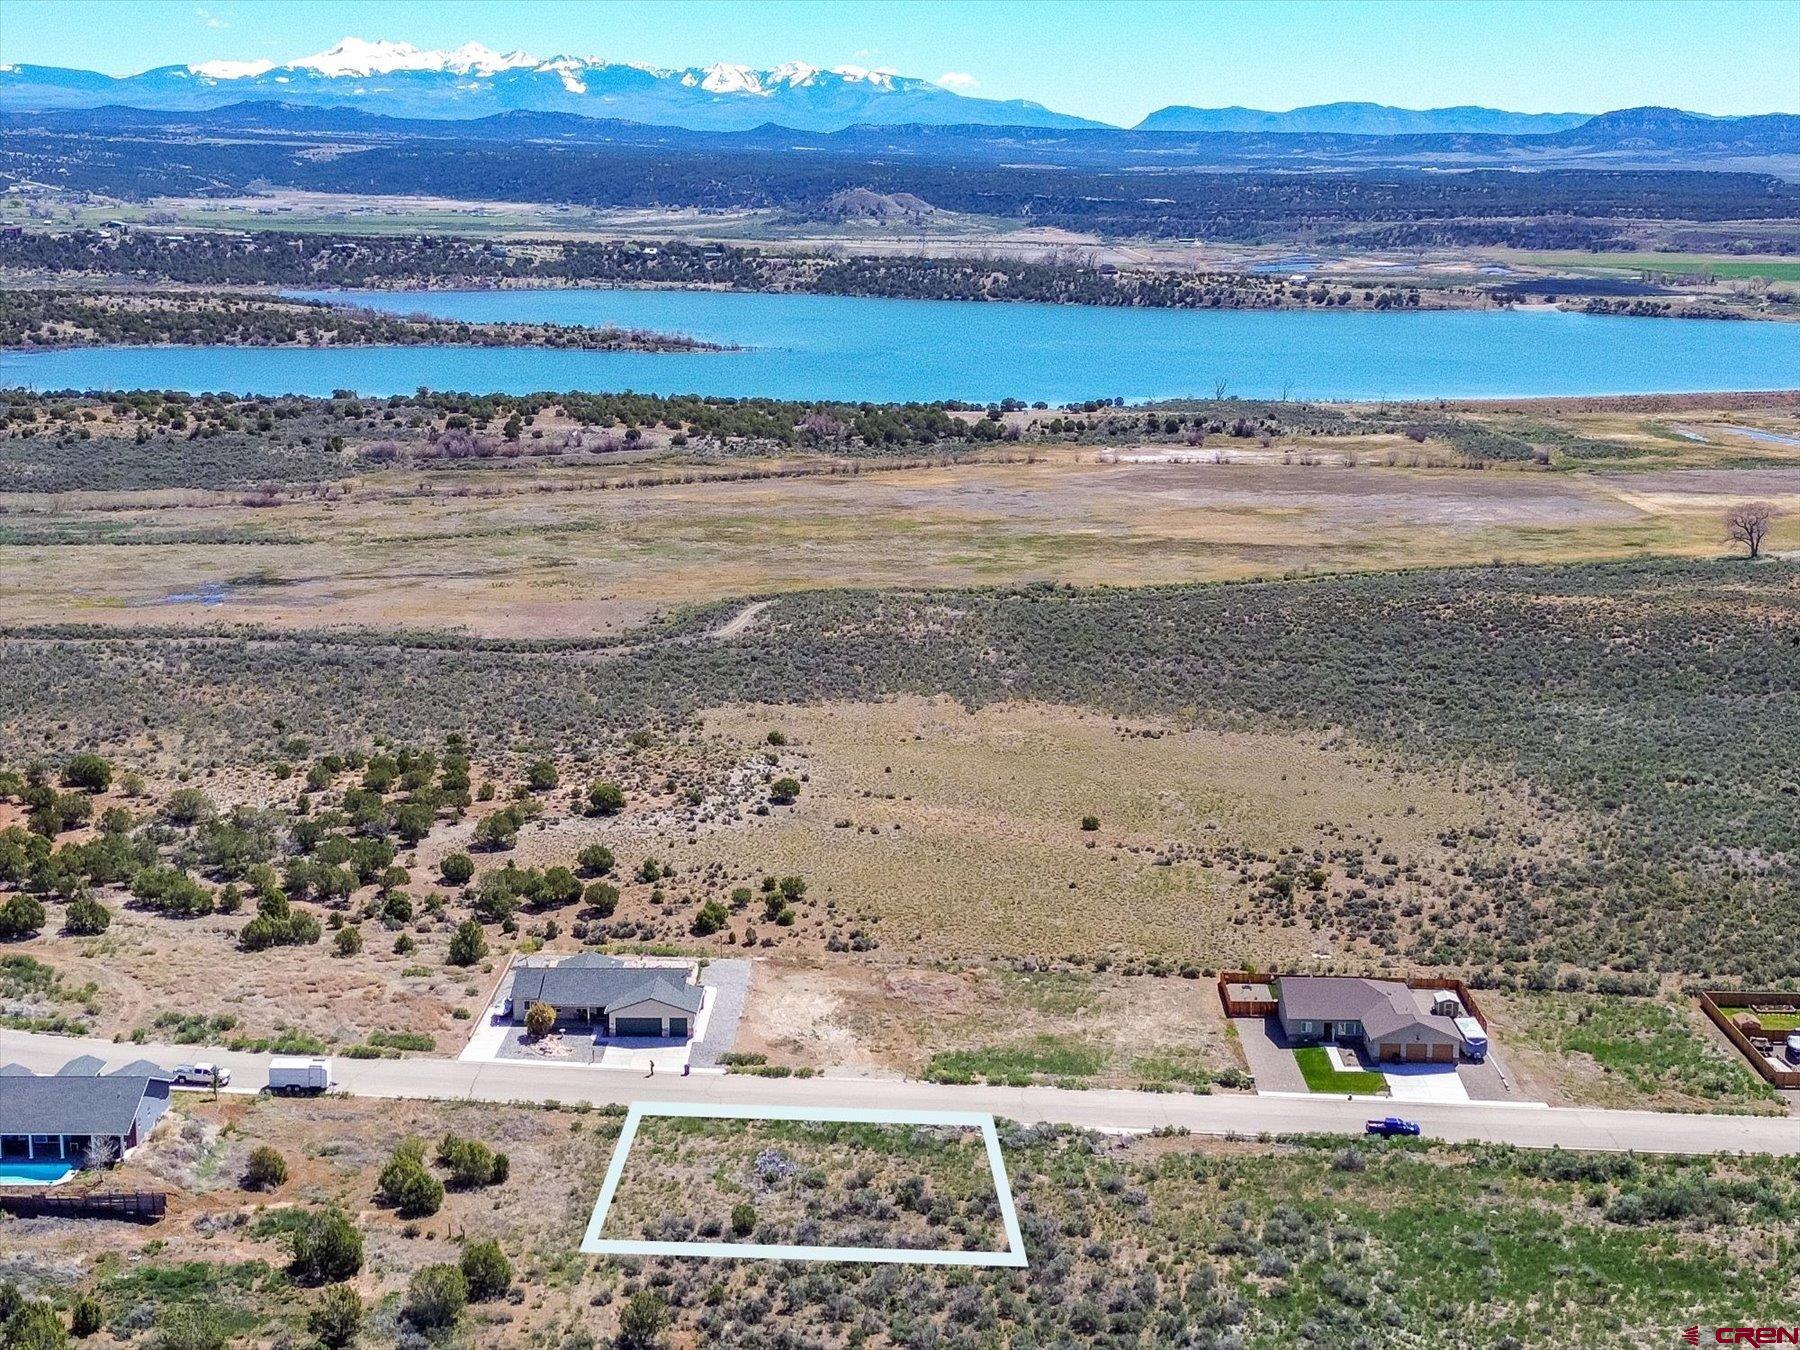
{"x":19,"y":1172}
{"x":806,"y":346}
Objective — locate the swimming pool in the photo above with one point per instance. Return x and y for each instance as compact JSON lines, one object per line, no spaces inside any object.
{"x":48,"y":1172}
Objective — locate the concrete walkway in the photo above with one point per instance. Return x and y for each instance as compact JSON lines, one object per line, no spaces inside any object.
{"x":1099,"y":1109}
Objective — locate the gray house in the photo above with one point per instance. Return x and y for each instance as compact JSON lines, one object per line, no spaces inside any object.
{"x":612,"y":997}
{"x":62,"y":1116}
{"x":1388,"y":1019}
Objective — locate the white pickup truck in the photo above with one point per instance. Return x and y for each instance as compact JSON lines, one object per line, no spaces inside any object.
{"x":201,"y":1075}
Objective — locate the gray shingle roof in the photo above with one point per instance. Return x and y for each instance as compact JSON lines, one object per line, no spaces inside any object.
{"x":142,"y":1068}
{"x":59,"y":1104}
{"x":14,"y":1071}
{"x":1384,"y":1007}
{"x":594,"y":981}
{"x":82,"y":1066}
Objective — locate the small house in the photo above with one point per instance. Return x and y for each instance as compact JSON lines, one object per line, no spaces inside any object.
{"x":1389,"y":1020}
{"x":614,"y":998}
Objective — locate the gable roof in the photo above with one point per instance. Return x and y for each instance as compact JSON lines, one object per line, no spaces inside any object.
{"x":82,"y":1066}
{"x":594,"y":981}
{"x":63,"y":1104}
{"x":142,"y":1068}
{"x":1384,"y":1007}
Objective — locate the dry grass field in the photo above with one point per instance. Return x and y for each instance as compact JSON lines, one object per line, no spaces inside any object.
{"x":534,"y":548}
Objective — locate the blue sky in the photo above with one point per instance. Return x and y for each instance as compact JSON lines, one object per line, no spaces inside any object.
{"x":1099,"y":58}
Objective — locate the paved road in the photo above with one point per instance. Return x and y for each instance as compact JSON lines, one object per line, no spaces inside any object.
{"x":1530,"y":1127}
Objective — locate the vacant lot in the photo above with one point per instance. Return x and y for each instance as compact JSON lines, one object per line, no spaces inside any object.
{"x":807,"y":1183}
{"x":1155,"y":1241}
{"x":1617,"y":1051}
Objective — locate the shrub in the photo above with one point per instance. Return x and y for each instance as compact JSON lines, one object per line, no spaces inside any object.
{"x":605,"y":799}
{"x":499,"y":831}
{"x":470,"y":1161}
{"x":188,"y":806}
{"x":602,"y":898}
{"x":195,"y":1327}
{"x":88,"y":772}
{"x":33,"y":1326}
{"x":406,"y":1185}
{"x":21,"y":916}
{"x":540,"y":1020}
{"x":86,"y":1316}
{"x":596,"y":860}
{"x":326,"y":1246}
{"x":540,"y":775}
{"x":743,"y":1218}
{"x":86,"y":917}
{"x":784,"y":791}
{"x":265,"y":1170}
{"x":336,"y":1319}
{"x":643,"y":1322}
{"x":349,"y":941}
{"x":468,"y":944}
{"x":485,"y":1270}
{"x":436,"y":1298}
{"x":457,"y":868}
{"x":711,"y":918}
{"x":1090,"y":823}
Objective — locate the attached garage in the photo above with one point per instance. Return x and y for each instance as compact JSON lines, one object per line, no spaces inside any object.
{"x":637,"y":1026}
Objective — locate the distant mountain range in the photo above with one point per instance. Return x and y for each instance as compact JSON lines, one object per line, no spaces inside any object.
{"x":1361,"y":119}
{"x":396,"y":79}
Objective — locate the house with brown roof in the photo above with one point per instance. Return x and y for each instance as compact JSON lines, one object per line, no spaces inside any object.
{"x":1386,"y":1018}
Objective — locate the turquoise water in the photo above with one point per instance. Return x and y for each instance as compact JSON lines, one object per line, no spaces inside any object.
{"x":804,"y":346}
{"x":19,"y":1172}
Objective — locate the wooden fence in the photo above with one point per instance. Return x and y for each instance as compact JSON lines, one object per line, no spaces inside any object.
{"x":1713,"y":1003}
{"x":146,"y":1206}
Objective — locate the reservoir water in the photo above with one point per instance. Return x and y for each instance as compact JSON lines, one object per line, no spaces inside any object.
{"x":809,"y":347}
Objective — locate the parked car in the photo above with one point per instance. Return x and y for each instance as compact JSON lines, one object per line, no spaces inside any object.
{"x":294,"y":1075}
{"x":201,"y":1075}
{"x":1793,"y":1048}
{"x":1388,"y":1126}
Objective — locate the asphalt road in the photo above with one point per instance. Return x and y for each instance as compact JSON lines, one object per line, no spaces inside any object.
{"x":1224,"y":1113}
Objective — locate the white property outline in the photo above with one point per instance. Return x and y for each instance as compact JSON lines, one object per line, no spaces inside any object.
{"x":595,"y":1245}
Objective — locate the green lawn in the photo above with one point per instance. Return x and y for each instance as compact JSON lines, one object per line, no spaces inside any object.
{"x":1773,"y":1021}
{"x":1321,"y":1076}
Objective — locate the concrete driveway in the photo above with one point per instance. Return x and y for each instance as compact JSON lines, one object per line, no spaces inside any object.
{"x":1424,"y":1083}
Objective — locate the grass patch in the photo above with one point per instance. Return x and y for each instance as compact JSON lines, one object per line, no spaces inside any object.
{"x":1321,"y":1076}
{"x":1041,"y":1057}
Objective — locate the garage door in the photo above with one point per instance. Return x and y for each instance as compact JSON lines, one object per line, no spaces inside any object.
{"x":637,"y":1026}
{"x":678,"y":1026}
{"x":1414,"y":1050}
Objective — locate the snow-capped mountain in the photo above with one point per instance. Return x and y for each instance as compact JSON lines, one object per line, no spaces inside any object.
{"x":400,"y":80}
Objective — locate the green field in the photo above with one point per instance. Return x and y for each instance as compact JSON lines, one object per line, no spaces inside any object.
{"x":1720,"y":265}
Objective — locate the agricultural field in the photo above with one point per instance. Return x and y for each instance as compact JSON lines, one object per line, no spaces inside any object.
{"x":1152,"y":1240}
{"x":807,"y":1183}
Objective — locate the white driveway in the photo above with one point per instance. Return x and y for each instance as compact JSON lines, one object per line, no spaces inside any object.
{"x":1424,"y":1083}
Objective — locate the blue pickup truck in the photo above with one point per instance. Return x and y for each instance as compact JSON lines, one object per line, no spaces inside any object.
{"x":1389,"y":1126}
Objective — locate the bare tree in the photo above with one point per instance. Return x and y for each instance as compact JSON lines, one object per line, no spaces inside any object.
{"x":1748,"y":523}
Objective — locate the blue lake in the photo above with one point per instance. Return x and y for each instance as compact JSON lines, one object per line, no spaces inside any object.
{"x":801,"y":346}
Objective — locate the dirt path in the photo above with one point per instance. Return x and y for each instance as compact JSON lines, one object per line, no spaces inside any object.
{"x":738,"y":622}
